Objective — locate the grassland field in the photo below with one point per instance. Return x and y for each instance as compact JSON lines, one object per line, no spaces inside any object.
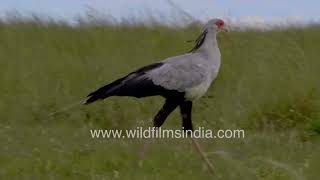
{"x":268,"y":85}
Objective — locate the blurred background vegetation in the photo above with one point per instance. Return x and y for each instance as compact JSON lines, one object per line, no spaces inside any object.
{"x":268,"y":85}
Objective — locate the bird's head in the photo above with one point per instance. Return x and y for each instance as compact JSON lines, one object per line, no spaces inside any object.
{"x":213,"y":26}
{"x":217,"y":25}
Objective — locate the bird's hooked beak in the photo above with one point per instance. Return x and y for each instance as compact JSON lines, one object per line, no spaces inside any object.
{"x":224,"y":29}
{"x":221,"y":25}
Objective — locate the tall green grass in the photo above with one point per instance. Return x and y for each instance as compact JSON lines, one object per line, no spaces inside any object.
{"x":268,"y":85}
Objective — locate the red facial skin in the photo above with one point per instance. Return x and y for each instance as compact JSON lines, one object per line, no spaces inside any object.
{"x":220,"y":23}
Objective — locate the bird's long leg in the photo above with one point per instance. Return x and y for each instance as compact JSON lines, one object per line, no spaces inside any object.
{"x":186,"y":113}
{"x":144,"y":150}
{"x":169,"y":106}
{"x":202,"y":154}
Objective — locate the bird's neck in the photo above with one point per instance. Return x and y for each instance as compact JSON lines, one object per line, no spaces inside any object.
{"x":210,"y":44}
{"x":211,"y":51}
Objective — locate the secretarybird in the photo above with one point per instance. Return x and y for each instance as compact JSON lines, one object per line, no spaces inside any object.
{"x":179,"y":79}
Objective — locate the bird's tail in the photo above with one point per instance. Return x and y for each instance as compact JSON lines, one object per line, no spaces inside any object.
{"x":68,"y":107}
{"x":99,"y":94}
{"x":90,"y":99}
{"x":103,"y":92}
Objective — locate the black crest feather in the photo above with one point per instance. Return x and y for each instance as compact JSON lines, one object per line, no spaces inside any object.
{"x":199,"y":41}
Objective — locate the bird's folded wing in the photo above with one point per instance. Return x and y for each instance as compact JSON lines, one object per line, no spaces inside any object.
{"x":178,"y":77}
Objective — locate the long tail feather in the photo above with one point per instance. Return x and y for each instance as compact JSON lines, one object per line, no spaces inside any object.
{"x":66,"y":108}
{"x":103,"y":92}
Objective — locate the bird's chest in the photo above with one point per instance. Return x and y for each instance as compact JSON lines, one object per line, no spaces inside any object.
{"x":198,"y":91}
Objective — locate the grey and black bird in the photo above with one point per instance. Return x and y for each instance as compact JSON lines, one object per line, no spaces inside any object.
{"x":179,"y":79}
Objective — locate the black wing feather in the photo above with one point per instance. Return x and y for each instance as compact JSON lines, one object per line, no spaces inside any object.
{"x":132,"y":84}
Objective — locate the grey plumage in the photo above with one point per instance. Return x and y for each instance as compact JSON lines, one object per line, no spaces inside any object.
{"x":180,"y":79}
{"x":193,"y":71}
